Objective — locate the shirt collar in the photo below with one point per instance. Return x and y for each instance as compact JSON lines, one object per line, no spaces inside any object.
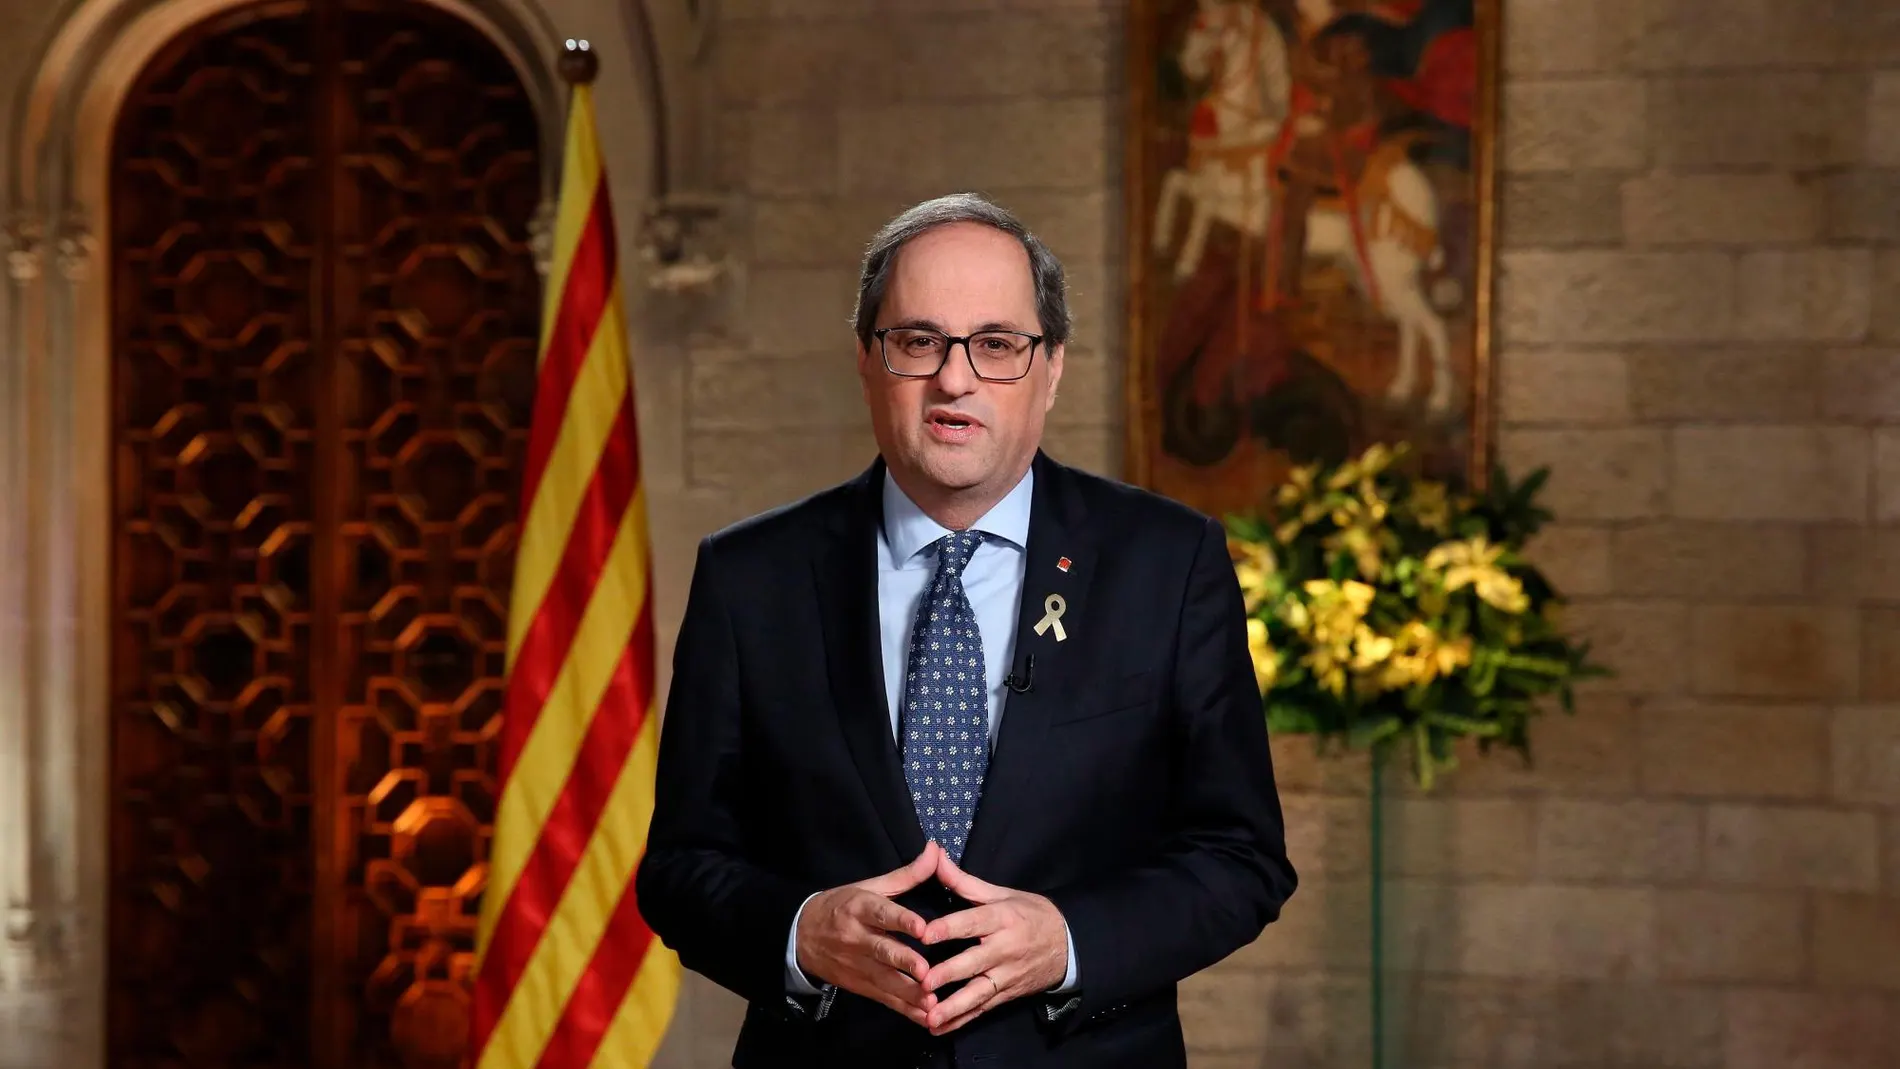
{"x":908,"y":530}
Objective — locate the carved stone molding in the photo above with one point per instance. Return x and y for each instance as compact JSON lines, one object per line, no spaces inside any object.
{"x":22,"y":962}
{"x":21,"y":236}
{"x":74,"y":247}
{"x":24,"y":965}
{"x":684,"y":243}
{"x":541,"y":234}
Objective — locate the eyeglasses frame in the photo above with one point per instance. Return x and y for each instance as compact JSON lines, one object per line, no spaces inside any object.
{"x":950,"y":342}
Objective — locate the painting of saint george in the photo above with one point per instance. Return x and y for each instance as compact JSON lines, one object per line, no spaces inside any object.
{"x":1310,"y":190}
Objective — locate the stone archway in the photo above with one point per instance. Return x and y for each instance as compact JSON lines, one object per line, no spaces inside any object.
{"x":55,"y":471}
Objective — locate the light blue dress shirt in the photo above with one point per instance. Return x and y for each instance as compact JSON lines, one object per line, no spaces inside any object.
{"x":993,"y":581}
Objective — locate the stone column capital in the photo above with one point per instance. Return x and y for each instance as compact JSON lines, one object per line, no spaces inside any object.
{"x":21,"y":237}
{"x":75,"y":246}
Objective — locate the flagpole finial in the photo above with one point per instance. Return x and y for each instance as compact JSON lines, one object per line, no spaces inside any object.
{"x":578,"y":64}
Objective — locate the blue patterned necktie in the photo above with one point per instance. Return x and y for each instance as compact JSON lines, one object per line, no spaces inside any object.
{"x":946,"y":703}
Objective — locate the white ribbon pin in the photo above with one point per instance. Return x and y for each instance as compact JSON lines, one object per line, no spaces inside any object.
{"x":1052,"y":609}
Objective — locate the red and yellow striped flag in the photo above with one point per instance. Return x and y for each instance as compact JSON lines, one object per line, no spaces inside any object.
{"x":567,"y":974}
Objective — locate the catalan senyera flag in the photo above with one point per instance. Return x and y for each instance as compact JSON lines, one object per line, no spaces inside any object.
{"x":567,"y":975}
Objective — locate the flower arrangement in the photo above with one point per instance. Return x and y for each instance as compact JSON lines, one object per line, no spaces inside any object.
{"x":1385,"y":609}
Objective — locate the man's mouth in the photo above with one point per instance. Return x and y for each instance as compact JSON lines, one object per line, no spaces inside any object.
{"x":952,"y":426}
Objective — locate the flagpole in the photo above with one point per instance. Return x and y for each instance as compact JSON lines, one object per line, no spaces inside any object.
{"x":578,"y":67}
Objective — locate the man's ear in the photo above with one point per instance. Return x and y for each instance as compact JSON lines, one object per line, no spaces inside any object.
{"x":1056,"y":353}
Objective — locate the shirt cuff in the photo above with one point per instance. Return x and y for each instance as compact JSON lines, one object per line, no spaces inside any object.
{"x":1068,"y":975}
{"x":795,"y":981}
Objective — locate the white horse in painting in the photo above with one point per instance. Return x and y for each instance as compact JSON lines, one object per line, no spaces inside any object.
{"x":1237,"y":50}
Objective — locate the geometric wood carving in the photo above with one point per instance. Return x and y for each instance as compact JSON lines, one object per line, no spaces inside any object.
{"x":324,"y":325}
{"x":436,"y":357}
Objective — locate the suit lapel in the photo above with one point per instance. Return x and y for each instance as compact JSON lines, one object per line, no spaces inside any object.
{"x":1057,"y":532}
{"x":846,"y":580}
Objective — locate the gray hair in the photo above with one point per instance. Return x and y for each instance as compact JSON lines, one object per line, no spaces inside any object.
{"x":1052,"y":299}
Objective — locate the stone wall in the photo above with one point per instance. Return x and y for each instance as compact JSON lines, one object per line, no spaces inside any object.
{"x":1700,"y":215}
{"x":1697,"y":327}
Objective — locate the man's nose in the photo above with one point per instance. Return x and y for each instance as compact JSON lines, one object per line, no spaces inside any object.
{"x":957,"y":376}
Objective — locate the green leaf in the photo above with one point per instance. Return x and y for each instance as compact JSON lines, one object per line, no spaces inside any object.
{"x":1366,"y":733}
{"x":1483,"y":673}
{"x":1422,"y":753}
{"x":1543,"y":666}
{"x":1287,"y":719}
{"x":1463,"y":724}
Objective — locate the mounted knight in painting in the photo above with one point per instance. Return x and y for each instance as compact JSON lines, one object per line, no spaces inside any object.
{"x":1314,"y":260}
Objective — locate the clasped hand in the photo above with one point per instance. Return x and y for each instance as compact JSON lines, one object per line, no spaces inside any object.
{"x":844,"y":937}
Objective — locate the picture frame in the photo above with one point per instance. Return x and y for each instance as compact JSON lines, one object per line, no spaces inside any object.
{"x":1253,"y":348}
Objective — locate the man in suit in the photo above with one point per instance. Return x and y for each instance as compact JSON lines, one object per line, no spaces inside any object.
{"x":964,"y":762}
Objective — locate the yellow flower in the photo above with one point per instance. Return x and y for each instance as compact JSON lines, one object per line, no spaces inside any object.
{"x":1370,"y":463}
{"x":1254,"y":567}
{"x":1297,"y":502}
{"x":1443,"y":657}
{"x":1358,"y":595}
{"x":1266,"y":662}
{"x":1333,"y":678}
{"x":1473,"y":562}
{"x":1420,"y":655}
{"x":1430,"y":507}
{"x":1343,"y":602}
{"x":1299,"y":483}
{"x":1293,"y":611}
{"x":1360,"y":532}
{"x":1369,"y":649}
{"x":1328,"y":668}
{"x":1365,"y":510}
{"x":1504,"y":592}
{"x":1330,"y":623}
{"x":1364,"y":547}
{"x":1475,"y":552}
{"x":1376,"y":507}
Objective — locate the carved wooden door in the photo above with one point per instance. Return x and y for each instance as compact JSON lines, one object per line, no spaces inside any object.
{"x":324,"y":321}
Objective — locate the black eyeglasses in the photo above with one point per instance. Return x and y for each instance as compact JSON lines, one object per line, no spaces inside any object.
{"x":919,"y":352}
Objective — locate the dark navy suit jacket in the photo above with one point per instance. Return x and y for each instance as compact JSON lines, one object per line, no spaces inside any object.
{"x":1131,"y":783}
